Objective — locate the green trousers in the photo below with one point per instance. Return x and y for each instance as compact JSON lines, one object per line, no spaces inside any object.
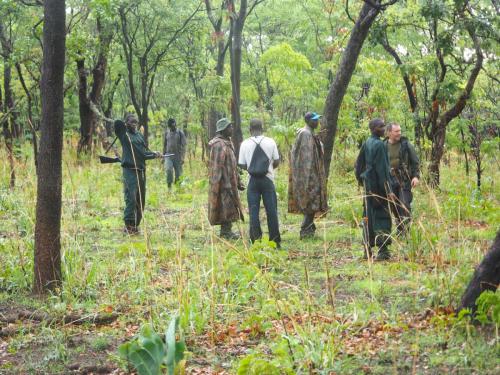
{"x":379,"y":222}
{"x":134,"y":189}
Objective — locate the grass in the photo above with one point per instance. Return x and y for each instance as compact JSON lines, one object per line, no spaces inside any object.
{"x":314,"y":307}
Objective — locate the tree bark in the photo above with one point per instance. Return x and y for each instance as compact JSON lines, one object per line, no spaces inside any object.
{"x":88,"y":118}
{"x":439,"y":131}
{"x":237,"y":24}
{"x":345,"y":70}
{"x":47,"y":257}
{"x":222,"y":46}
{"x":486,"y":276}
{"x":31,"y":121}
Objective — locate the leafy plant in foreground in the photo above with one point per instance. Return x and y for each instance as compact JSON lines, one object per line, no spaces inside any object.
{"x":149,"y":354}
{"x":488,"y":307}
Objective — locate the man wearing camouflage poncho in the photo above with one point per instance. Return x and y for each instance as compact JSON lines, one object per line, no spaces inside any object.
{"x":307,"y":181}
{"x":224,"y":206}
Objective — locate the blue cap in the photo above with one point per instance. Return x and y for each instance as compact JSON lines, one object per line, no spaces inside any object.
{"x":312,"y":116}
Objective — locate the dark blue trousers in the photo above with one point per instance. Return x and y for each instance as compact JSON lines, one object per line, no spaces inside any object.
{"x":263,"y":187}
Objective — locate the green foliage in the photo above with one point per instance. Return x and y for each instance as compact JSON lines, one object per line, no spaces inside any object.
{"x":488,"y":307}
{"x":148,"y":353}
{"x":254,"y":364}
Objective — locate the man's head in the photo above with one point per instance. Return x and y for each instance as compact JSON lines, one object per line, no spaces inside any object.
{"x":312,"y":119}
{"x":377,"y":127}
{"x":171,"y":124}
{"x":131,"y":122}
{"x":256,"y":127}
{"x":393,"y":132}
{"x":224,"y":127}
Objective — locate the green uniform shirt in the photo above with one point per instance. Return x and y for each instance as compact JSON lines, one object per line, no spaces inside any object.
{"x":135,"y":153}
{"x":393,"y":150}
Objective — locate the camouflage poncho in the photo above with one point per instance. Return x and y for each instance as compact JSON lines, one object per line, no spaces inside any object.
{"x":223,"y":199}
{"x":307,"y":181}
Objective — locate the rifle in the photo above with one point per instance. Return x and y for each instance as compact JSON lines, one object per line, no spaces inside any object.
{"x":107,"y":160}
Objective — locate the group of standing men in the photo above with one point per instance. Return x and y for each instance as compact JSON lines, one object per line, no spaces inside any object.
{"x":133,"y":162}
{"x":387,"y":169}
{"x":259,"y":156}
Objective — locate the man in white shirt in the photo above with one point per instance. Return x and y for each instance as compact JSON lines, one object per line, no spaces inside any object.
{"x":259,"y":157}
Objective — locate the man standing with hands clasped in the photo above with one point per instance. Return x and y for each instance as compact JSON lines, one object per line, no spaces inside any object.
{"x":259,"y":157}
{"x":405,"y":174}
{"x":307,"y":180}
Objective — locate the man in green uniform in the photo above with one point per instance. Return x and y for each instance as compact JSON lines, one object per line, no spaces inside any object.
{"x":405,"y":174}
{"x":134,"y":155}
{"x":372,"y":170}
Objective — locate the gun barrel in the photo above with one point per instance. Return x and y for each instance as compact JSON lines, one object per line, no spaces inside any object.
{"x":107,"y":160}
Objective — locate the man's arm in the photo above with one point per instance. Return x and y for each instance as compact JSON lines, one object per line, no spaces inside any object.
{"x":242,"y":162}
{"x":275,"y":156}
{"x":120,"y":130}
{"x":165,"y":142}
{"x":182,"y":150}
{"x":414,"y":162}
{"x":360,"y":165}
{"x":381,"y":164}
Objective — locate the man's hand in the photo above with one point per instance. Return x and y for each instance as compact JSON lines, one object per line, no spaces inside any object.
{"x":414,"y":182}
{"x":158,"y":155}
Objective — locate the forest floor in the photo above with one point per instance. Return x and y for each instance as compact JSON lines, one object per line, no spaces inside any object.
{"x":313,"y":307}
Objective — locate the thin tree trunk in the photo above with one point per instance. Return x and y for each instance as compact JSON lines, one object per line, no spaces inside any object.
{"x":88,"y":118}
{"x":465,"y":152}
{"x":47,"y":257}
{"x":237,"y":24}
{"x":344,"y":73}
{"x":86,"y":114}
{"x":30,"y":113}
{"x":439,"y":134}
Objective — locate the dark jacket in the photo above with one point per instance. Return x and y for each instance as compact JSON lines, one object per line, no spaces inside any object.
{"x":372,"y":167}
{"x":409,"y":164}
{"x":135,"y":153}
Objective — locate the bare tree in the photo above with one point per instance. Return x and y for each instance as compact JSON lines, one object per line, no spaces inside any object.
{"x":146,"y":46}
{"x":47,"y":257}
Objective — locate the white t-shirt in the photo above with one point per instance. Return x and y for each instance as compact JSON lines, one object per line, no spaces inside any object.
{"x":268,"y":146}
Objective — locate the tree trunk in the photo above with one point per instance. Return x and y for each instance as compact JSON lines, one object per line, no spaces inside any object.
{"x":86,"y":114}
{"x":439,"y":130}
{"x":235,"y":88}
{"x":237,"y":24}
{"x":30,"y":113}
{"x":486,"y":276}
{"x":465,"y":152}
{"x":214,"y":115}
{"x":88,"y":118}
{"x":47,"y":257}
{"x":344,"y":73}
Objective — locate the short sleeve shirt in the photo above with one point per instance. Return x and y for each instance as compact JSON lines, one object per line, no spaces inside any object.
{"x":268,"y":146}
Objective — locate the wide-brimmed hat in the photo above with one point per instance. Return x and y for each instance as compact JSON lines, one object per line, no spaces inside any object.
{"x":222,"y":124}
